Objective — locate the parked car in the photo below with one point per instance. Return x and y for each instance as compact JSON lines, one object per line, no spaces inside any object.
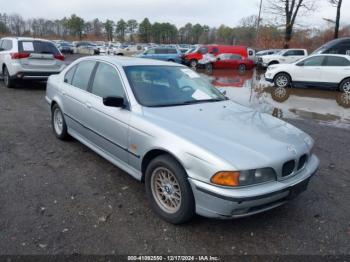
{"x":285,"y":56}
{"x":231,"y":61}
{"x":163,"y":53}
{"x":339,"y":46}
{"x":193,"y":148}
{"x":191,"y":59}
{"x":327,"y":71}
{"x":28,"y":58}
{"x":128,"y":50}
{"x":84,"y":47}
{"x":65,"y":48}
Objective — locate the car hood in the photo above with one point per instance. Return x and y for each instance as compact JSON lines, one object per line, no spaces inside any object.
{"x":235,"y":133}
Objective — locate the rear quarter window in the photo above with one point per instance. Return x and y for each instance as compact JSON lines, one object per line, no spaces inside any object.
{"x":39,"y":47}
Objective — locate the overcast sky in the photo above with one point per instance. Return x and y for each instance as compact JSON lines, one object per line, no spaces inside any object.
{"x":179,"y":12}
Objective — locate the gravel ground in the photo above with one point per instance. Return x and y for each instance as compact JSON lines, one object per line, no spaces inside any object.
{"x":62,"y":198}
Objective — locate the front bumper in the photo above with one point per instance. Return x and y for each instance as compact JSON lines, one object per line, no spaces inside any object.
{"x":219,"y":202}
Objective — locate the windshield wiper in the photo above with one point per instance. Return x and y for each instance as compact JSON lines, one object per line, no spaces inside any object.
{"x":204,"y":101}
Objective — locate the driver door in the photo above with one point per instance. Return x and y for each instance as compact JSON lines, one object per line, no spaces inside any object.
{"x":109,"y":125}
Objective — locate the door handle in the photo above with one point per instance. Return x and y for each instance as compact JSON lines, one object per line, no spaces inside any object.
{"x":88,"y":105}
{"x":63,"y":93}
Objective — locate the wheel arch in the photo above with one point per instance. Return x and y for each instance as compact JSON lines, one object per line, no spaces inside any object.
{"x":152,"y":154}
{"x":283,"y":72}
{"x":273,"y":62}
{"x":345,"y":78}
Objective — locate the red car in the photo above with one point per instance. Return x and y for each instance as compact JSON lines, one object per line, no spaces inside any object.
{"x":230,"y":61}
{"x":192,"y":59}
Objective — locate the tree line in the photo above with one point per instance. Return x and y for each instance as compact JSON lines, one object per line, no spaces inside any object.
{"x":277,"y":29}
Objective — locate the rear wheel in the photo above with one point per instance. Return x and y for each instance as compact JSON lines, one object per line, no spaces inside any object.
{"x":345,"y":86}
{"x":168,"y":190}
{"x":9,"y":83}
{"x":58,"y":123}
{"x":171,"y":60}
{"x":193,"y":63}
{"x":282,"y":80}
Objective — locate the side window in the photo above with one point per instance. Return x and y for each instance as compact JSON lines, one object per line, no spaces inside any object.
{"x":1,"y":48}
{"x":336,"y":61}
{"x":172,"y":51}
{"x":289,"y":53}
{"x":107,"y":82}
{"x":313,"y":61}
{"x":215,"y":50}
{"x":7,"y":45}
{"x":150,"y":52}
{"x":82,"y":74}
{"x":69,"y":75}
{"x":299,"y":52}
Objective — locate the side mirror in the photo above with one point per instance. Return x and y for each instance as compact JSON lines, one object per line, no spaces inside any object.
{"x":218,"y":58}
{"x":114,"y":101}
{"x":300,"y":64}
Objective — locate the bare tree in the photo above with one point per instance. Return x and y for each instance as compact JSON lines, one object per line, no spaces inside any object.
{"x":288,"y":10}
{"x":337,"y":4}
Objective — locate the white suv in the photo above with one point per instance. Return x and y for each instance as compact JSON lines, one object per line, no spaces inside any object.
{"x":285,"y":56}
{"x":28,"y":58}
{"x":321,"y":71}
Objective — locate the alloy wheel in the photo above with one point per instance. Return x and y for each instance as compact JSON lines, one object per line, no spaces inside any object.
{"x":58,"y":121}
{"x":166,"y":190}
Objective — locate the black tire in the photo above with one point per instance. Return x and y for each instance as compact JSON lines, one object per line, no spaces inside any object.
{"x":209,"y":68}
{"x":242,"y":68}
{"x":63,"y":135}
{"x":9,"y":83}
{"x":171,"y":60}
{"x":186,"y":208}
{"x":345,"y":86}
{"x":282,"y":80}
{"x":120,"y":54}
{"x":193,"y":63}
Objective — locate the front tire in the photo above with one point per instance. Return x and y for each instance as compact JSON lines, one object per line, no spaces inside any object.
{"x":9,"y":83}
{"x":282,"y":80}
{"x":59,"y":125}
{"x":168,"y":190}
{"x":345,"y":86}
{"x":242,"y":68}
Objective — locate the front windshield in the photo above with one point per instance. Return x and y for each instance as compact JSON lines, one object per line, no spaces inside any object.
{"x":156,"y":86}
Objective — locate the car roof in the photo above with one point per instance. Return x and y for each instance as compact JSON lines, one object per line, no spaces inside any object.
{"x":339,"y":55}
{"x":130,"y":61}
{"x":27,"y":38}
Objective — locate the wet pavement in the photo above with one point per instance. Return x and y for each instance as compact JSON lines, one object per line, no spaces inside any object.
{"x":328,"y":107}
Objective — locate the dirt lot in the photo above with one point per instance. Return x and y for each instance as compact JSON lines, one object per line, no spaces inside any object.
{"x":62,"y":198}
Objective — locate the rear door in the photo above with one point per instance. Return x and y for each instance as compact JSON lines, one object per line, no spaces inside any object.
{"x":43,"y":55}
{"x":335,"y":69}
{"x":109,"y":124}
{"x":75,"y":97}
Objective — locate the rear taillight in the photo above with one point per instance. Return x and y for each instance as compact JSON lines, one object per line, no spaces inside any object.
{"x":19,"y":55}
{"x":59,"y":57}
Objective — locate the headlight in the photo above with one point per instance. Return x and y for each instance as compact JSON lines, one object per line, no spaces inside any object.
{"x":244,"y":178}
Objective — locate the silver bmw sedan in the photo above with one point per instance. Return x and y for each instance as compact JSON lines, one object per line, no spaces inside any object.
{"x":196,"y":151}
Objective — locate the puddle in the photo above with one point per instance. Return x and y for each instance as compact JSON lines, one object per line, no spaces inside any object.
{"x":328,"y":107}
